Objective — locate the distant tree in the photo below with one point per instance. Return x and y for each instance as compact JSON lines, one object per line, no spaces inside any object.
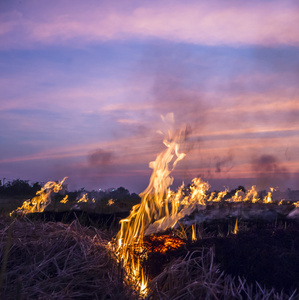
{"x":36,"y":187}
{"x":19,"y":187}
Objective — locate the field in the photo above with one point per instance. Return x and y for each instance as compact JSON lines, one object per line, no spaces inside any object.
{"x":240,"y":251}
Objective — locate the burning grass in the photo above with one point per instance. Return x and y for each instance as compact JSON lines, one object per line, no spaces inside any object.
{"x":68,"y":261}
{"x":57,"y":261}
{"x":155,"y":260}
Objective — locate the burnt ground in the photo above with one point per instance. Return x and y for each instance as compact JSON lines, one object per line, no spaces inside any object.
{"x":263,"y":251}
{"x":266,"y":252}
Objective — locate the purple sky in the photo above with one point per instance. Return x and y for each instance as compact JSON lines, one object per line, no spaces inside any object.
{"x":84,"y":83}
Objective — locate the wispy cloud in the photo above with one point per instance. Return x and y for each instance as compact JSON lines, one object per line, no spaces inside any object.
{"x":199,"y":22}
{"x":83,"y":85}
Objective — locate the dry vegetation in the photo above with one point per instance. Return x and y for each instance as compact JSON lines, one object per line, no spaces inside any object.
{"x":56,"y":261}
{"x":53,"y":260}
{"x":196,"y":276}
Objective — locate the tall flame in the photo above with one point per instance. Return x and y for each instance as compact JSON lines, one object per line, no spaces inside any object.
{"x":154,"y":206}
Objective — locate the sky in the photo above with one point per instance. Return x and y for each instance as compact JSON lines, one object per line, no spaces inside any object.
{"x":84,"y":85}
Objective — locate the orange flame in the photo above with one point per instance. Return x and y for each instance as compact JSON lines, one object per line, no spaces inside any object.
{"x":83,"y":199}
{"x":65,"y":199}
{"x":236,"y":229}
{"x":154,"y":206}
{"x":194,"y":237}
{"x":41,"y":200}
{"x":296,"y":204}
{"x":268,"y":198}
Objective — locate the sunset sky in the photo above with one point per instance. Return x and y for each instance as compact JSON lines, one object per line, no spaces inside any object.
{"x":83,"y":85}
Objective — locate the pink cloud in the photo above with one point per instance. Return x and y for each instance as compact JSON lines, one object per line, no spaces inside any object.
{"x":210,"y":23}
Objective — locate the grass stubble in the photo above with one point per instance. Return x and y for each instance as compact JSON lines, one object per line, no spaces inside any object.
{"x":52,"y":260}
{"x":57,"y":261}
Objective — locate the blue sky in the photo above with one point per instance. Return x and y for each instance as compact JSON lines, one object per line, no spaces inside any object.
{"x":83,"y":86}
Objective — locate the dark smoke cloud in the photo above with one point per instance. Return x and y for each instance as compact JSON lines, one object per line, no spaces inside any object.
{"x":100,"y":158}
{"x":224,"y":164}
{"x":267,"y":163}
{"x":269,"y":171}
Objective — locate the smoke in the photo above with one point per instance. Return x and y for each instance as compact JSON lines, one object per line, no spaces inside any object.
{"x":171,"y":72}
{"x":224,"y":164}
{"x":100,"y":158}
{"x":269,"y":171}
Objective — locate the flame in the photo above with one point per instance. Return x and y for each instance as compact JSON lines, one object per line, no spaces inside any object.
{"x":110,"y":202}
{"x":252,"y":195}
{"x":238,"y":196}
{"x":157,"y":203}
{"x":41,"y":200}
{"x":236,"y":229}
{"x":219,"y":197}
{"x":296,"y":204}
{"x":65,"y":199}
{"x":268,"y":198}
{"x":83,"y":199}
{"x":281,"y":201}
{"x":194,"y":237}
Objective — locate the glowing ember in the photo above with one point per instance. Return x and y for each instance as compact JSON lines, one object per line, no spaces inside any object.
{"x":162,"y":243}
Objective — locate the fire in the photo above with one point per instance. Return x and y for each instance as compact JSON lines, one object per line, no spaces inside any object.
{"x":83,"y":199}
{"x":160,"y":209}
{"x":156,"y":207}
{"x":219,"y":197}
{"x":162,"y":243}
{"x":41,"y":200}
{"x":110,"y":202}
{"x":65,"y":199}
{"x":281,"y":201}
{"x":268,"y":198}
{"x":194,"y":237}
{"x":296,"y":204}
{"x":236,"y":229}
{"x":238,"y":196}
{"x":252,"y":195}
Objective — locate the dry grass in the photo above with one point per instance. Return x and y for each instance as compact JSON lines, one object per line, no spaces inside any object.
{"x":196,"y":276}
{"x":56,"y":261}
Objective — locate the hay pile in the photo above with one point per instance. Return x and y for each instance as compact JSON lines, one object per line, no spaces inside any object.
{"x":56,"y":261}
